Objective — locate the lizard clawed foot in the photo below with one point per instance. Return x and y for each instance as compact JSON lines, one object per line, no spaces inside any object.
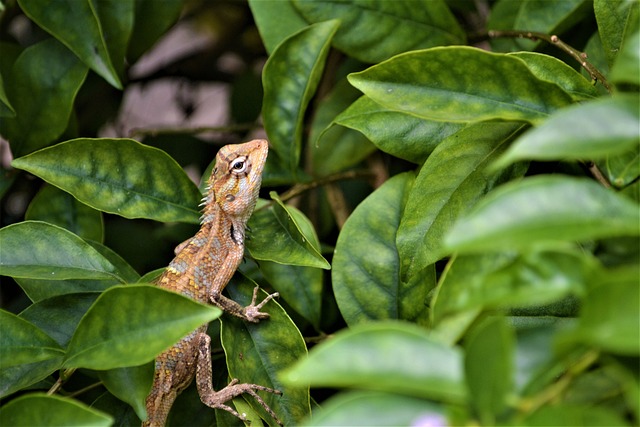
{"x":252,"y":312}
{"x":218,"y":399}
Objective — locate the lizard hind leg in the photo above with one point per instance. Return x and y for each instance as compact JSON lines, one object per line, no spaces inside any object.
{"x":218,"y":399}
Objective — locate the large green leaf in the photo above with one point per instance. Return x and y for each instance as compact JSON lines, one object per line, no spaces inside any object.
{"x":276,"y":20}
{"x":19,"y":377}
{"x":544,"y":209}
{"x":573,"y":414}
{"x":257,"y":353}
{"x":553,"y":70}
{"x":84,"y":27}
{"x":433,"y":84}
{"x":38,"y":409}
{"x":610,"y":315}
{"x":131,"y":385}
{"x":45,"y":79}
{"x":124,"y":317}
{"x":626,"y":69}
{"x":290,"y":78}
{"x":59,"y":316}
{"x":37,"y":250}
{"x":366,"y":267}
{"x":372,"y":408}
{"x":337,"y":148}
{"x":489,"y":367}
{"x":22,"y":342}
{"x":592,"y":130}
{"x":616,"y":20}
{"x":386,"y":356}
{"x":119,"y":176}
{"x":62,"y":209}
{"x":402,"y":135}
{"x":276,"y":236}
{"x":450,"y":182}
{"x":510,"y":279}
{"x":300,"y":286}
{"x":622,"y":170}
{"x":544,"y":16}
{"x":374,"y":30}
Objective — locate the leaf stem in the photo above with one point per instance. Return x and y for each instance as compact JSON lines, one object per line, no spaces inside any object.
{"x":581,"y":57}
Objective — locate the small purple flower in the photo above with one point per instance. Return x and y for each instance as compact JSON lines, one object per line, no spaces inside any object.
{"x":430,"y":419}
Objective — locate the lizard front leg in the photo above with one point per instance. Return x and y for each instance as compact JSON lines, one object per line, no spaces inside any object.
{"x":218,"y":399}
{"x":250,"y":313}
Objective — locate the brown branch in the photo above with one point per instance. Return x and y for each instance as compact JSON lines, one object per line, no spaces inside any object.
{"x":298,"y":189}
{"x":581,"y":57}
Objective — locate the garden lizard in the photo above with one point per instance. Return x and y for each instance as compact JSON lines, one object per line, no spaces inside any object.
{"x":200,"y":270}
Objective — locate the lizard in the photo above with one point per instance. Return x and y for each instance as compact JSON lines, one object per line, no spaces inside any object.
{"x":200,"y":270}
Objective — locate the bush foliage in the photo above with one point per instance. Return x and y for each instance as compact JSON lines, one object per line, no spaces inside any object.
{"x":450,"y":211}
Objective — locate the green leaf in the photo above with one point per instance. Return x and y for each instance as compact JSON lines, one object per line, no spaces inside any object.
{"x":626,"y":69}
{"x":277,"y":237}
{"x":276,"y":21}
{"x":290,"y":78}
{"x":489,"y":367}
{"x":152,"y":18}
{"x":86,"y":37}
{"x":534,"y":15}
{"x":450,"y":182}
{"x":553,"y":70}
{"x":433,"y":85}
{"x":401,"y":135}
{"x":119,"y":176}
{"x":336,"y":149}
{"x":110,"y":334}
{"x":610,"y":315}
{"x":257,"y":353}
{"x":38,"y":409}
{"x":622,"y":169}
{"x":19,"y":377}
{"x":131,"y":385}
{"x":300,"y":286}
{"x":384,"y":356}
{"x":59,"y":316}
{"x":22,"y":342}
{"x":62,"y":209}
{"x":366,"y":267}
{"x":616,"y":19}
{"x":34,"y":249}
{"x":372,"y":408}
{"x":592,"y":130}
{"x":375,"y":30}
{"x":566,"y":414}
{"x":510,"y":279}
{"x":544,"y":209}
{"x":49,"y":73}
{"x":6,"y":109}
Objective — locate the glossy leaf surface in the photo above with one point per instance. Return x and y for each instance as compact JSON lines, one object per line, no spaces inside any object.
{"x":385,"y":356}
{"x":43,"y":410}
{"x":38,"y":250}
{"x":290,"y":78}
{"x":257,"y":353}
{"x":366,"y":266}
{"x":110,"y":333}
{"x":431,"y":84}
{"x":544,"y":209}
{"x":374,"y":30}
{"x":119,"y":176}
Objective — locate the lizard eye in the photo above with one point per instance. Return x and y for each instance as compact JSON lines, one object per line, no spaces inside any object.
{"x":239,"y":165}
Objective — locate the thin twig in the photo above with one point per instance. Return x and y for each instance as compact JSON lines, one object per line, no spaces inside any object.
{"x":298,"y":189}
{"x":581,"y":57}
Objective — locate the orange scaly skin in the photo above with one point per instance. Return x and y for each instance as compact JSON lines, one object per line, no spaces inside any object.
{"x":201,"y":269}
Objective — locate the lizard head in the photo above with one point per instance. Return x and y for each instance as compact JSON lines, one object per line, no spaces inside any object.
{"x":235,"y":181}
